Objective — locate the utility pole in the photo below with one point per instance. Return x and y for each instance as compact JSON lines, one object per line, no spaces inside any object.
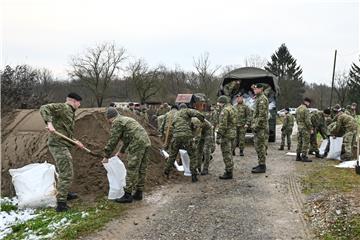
{"x":333,"y":76}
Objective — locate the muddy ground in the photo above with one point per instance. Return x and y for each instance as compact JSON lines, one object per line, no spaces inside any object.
{"x":265,"y":206}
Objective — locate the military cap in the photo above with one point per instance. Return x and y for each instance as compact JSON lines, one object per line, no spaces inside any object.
{"x":260,"y":85}
{"x":327,"y":111}
{"x":306,"y":99}
{"x":222,"y":99}
{"x":74,"y":96}
{"x":182,"y":105}
{"x":353,"y":104}
{"x":111,"y":113}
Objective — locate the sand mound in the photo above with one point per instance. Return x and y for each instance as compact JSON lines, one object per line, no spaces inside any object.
{"x":24,"y":141}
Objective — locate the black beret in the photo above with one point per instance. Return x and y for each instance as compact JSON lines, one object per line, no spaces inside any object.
{"x":74,"y":96}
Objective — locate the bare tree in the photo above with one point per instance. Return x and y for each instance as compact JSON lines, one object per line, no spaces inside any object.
{"x":204,"y":79}
{"x":342,"y":87}
{"x":255,"y":61}
{"x":143,"y":80}
{"x":97,"y":68}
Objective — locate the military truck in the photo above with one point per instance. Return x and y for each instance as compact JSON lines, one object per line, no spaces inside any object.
{"x":247,"y":76}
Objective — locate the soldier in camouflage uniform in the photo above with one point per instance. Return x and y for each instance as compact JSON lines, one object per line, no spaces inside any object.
{"x":353,"y":110}
{"x":204,"y":144}
{"x":243,"y":113}
{"x":319,"y":126}
{"x":304,"y":130}
{"x":226,"y":134}
{"x":286,"y":129}
{"x":260,"y":126}
{"x":135,"y":147}
{"x":166,"y":127}
{"x":182,"y":139}
{"x":61,"y":117}
{"x":232,"y":88}
{"x":164,"y":108}
{"x":345,"y":126}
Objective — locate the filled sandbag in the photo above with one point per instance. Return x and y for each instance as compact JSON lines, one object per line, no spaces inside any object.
{"x":35,"y":185}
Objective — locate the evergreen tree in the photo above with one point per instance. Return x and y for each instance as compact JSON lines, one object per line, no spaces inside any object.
{"x":354,"y":83}
{"x":292,"y":87}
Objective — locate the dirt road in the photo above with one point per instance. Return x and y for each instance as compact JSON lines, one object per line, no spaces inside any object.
{"x":265,"y":206}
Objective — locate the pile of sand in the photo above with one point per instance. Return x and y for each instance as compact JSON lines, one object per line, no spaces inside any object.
{"x":24,"y":140}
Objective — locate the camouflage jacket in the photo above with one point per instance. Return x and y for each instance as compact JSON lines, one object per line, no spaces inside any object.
{"x":62,"y":116}
{"x":344,"y":123}
{"x":261,"y":113}
{"x":167,"y":123}
{"x":182,"y":122}
{"x":288,"y":122}
{"x":243,"y":113}
{"x":162,"y":111}
{"x":303,"y":118}
{"x":227,"y":122}
{"x":129,"y":131}
{"x":317,"y":119}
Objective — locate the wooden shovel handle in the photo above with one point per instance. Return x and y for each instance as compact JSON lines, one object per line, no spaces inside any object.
{"x":70,"y":140}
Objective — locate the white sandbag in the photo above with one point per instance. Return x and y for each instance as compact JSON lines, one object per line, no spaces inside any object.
{"x":291,"y":153}
{"x":185,"y":161}
{"x":323,"y":146}
{"x":35,"y":185}
{"x":179,"y":168}
{"x":347,"y":164}
{"x":335,"y":148}
{"x":116,"y":174}
{"x":164,"y":153}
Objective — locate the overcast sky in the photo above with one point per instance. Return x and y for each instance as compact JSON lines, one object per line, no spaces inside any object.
{"x":45,"y":33}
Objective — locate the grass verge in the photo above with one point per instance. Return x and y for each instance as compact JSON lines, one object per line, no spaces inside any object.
{"x":321,"y":178}
{"x":81,"y":220}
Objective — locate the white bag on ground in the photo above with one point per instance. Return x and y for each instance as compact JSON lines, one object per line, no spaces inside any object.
{"x":323,"y":146}
{"x":335,"y":148}
{"x":35,"y":185}
{"x":347,"y":164}
{"x":116,"y":173}
{"x":185,"y":161}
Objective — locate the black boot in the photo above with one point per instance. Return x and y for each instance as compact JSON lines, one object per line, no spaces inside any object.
{"x":281,"y":147}
{"x":62,"y":207}
{"x":298,"y":157}
{"x":241,"y":152}
{"x":289,"y":147}
{"x":138,"y":195}
{"x":194,"y":178}
{"x":259,"y":169}
{"x":204,"y":172}
{"x":71,"y":196}
{"x":127,"y":198}
{"x":226,"y":175}
{"x":304,"y":158}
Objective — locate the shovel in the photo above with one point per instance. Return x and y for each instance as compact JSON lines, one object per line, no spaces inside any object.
{"x":74,"y":142}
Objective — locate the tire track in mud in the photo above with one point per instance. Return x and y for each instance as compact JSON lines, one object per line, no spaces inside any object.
{"x":298,"y":202}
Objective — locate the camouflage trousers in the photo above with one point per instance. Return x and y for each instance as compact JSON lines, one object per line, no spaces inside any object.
{"x":286,"y":134}
{"x":185,"y":143}
{"x":349,"y":140}
{"x":137,"y":160}
{"x":240,"y":138}
{"x":313,"y":138}
{"x":261,"y":139}
{"x":205,"y":149}
{"x":64,"y":168}
{"x":226,"y":150}
{"x":303,"y":141}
